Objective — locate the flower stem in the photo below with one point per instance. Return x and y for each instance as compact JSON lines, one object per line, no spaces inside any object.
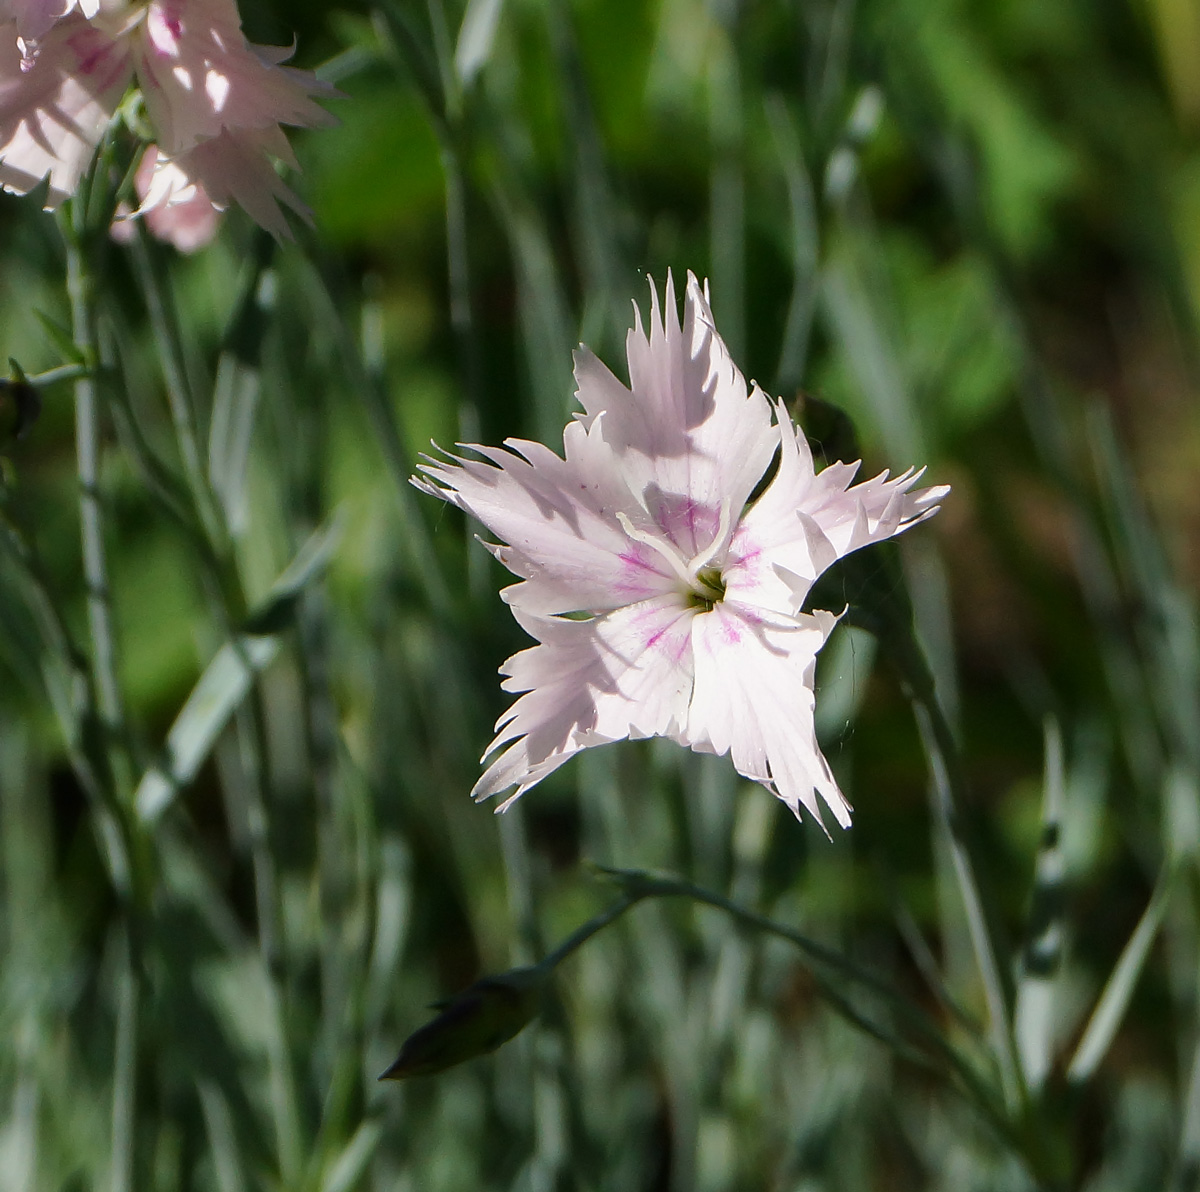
{"x":179,"y":397}
{"x":932,"y":1049}
{"x":581,"y":935}
{"x":91,"y":516}
{"x":949,"y":788}
{"x":124,"y":1095}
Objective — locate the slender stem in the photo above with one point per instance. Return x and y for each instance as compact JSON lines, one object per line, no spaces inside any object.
{"x":251,"y":737}
{"x":70,"y":689}
{"x":179,"y":397}
{"x":366,"y":376}
{"x":949,"y":784}
{"x":949,"y":789}
{"x":637,"y":885}
{"x":581,"y":935}
{"x":124,"y":1094}
{"x":63,"y":372}
{"x":459,"y":275}
{"x":91,"y":515}
{"x":514,"y":848}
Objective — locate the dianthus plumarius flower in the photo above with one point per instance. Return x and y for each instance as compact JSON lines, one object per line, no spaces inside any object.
{"x":666,"y":595}
{"x":177,"y":209}
{"x":215,"y":101}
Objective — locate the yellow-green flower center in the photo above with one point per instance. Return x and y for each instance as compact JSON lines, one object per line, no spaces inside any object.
{"x":707,"y":589}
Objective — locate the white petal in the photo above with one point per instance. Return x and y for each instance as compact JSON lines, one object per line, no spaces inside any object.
{"x":753,"y":699}
{"x":805,"y":521}
{"x":626,"y":674}
{"x":771,"y":542}
{"x":688,"y":434}
{"x":234,"y":168}
{"x":557,"y":520}
{"x":854,"y":516}
{"x":176,"y":208}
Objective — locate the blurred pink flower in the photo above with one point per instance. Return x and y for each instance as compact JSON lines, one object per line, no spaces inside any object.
{"x":200,"y":77}
{"x":176,"y":208}
{"x":235,"y":167}
{"x":53,"y":110}
{"x":216,"y":102}
{"x":666,"y":602}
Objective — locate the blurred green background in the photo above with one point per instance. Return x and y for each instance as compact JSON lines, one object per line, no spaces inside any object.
{"x":976,"y":229}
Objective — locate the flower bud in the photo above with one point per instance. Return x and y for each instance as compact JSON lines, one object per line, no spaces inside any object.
{"x":472,"y":1023}
{"x":20,"y":406}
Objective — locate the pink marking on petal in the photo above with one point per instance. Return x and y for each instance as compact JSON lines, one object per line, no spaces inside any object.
{"x":748,"y":560}
{"x":676,"y":643}
{"x":688,"y":524}
{"x":635,"y":581}
{"x":89,"y":48}
{"x":164,"y":31}
{"x":633,"y":559}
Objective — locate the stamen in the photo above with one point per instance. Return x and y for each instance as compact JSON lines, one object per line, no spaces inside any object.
{"x":706,"y":556}
{"x":666,"y":549}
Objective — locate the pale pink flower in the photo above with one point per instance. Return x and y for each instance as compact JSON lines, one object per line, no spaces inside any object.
{"x":235,"y":167}
{"x":216,"y":102}
{"x":176,"y":208}
{"x":54,"y":109}
{"x":200,"y":77}
{"x":666,"y":602}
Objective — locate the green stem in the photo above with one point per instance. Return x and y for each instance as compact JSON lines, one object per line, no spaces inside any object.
{"x":91,"y":515}
{"x":949,"y":785}
{"x":581,"y":935}
{"x":366,"y":376}
{"x":64,"y":372}
{"x":179,"y":397}
{"x":459,"y":275}
{"x":70,"y":688}
{"x":934,"y":1051}
{"x":124,"y":1096}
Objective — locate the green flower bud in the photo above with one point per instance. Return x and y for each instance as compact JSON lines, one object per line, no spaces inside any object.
{"x":20,"y":405}
{"x":472,"y":1023}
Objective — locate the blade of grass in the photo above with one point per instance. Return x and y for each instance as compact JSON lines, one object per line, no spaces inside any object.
{"x":365,"y":367}
{"x":727,"y":191}
{"x":938,"y":744}
{"x":805,"y":245}
{"x":347,"y":1170}
{"x":476,"y":36}
{"x":222,"y":1138}
{"x":1118,"y":989}
{"x":1034,"y":1017}
{"x":226,"y":680}
{"x":124,"y":1090}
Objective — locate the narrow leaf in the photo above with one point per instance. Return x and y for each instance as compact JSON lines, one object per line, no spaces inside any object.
{"x":222,"y":1138}
{"x":476,"y":37}
{"x":1114,"y":1000}
{"x":1042,"y":957}
{"x":347,"y":1171}
{"x":227,"y":678}
{"x":60,"y":337}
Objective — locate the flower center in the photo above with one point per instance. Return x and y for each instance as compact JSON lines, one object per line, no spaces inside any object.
{"x":702,"y":582}
{"x":707,"y":589}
